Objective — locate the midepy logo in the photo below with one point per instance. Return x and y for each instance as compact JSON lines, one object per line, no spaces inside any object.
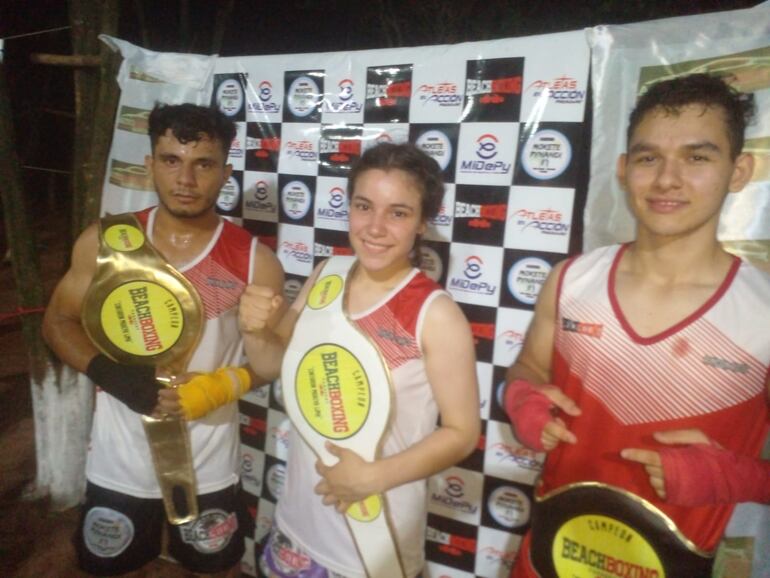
{"x":469,"y":282}
{"x":336,"y":205}
{"x":265,"y":91}
{"x":487,"y":146}
{"x":265,"y":103}
{"x":486,"y":150}
{"x":345,"y":99}
{"x":473,"y":267}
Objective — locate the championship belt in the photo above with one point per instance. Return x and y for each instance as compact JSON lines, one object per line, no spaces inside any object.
{"x":336,"y":387}
{"x":590,"y":530}
{"x":140,"y":310}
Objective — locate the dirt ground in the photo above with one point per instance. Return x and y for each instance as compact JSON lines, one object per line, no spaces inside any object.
{"x":35,"y":541}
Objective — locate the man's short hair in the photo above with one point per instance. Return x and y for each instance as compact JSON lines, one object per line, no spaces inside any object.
{"x":190,"y":122}
{"x":699,"y":89}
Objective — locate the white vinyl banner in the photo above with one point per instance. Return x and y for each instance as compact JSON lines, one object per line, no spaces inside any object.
{"x":146,"y":77}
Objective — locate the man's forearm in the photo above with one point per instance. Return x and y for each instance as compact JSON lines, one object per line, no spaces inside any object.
{"x":69,"y":342}
{"x":522,"y":371}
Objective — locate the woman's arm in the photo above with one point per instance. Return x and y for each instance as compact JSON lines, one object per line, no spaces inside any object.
{"x":267,"y":324}
{"x":450,"y":364}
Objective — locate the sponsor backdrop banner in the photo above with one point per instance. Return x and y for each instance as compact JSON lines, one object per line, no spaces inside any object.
{"x":504,"y":119}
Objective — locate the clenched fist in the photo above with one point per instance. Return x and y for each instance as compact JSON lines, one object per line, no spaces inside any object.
{"x":258,"y":304}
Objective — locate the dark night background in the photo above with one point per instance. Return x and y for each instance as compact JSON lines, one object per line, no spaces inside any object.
{"x":42,"y":96}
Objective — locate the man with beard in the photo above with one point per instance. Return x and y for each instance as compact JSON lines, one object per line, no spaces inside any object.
{"x":123,"y":517}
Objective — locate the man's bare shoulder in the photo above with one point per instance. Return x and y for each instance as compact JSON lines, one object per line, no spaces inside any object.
{"x":85,"y":250}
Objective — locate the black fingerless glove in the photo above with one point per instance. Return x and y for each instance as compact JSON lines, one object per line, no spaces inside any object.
{"x":134,"y":385}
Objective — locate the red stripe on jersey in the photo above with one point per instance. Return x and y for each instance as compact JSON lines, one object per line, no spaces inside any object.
{"x":218,"y":288}
{"x":221,"y":276}
{"x":393,"y":326}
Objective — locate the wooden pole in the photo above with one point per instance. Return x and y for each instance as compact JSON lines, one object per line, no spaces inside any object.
{"x":61,"y":397}
{"x":84,"y":22}
{"x":104,"y":114}
{"x":78,"y":60}
{"x":20,"y":236}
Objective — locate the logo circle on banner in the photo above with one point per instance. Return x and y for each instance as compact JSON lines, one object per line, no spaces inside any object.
{"x":142,"y":318}
{"x":435,"y":144}
{"x":333,"y":391}
{"x":296,"y":199}
{"x":229,"y":97}
{"x":367,"y":510}
{"x":303,"y":96}
{"x":546,"y":154}
{"x":229,"y":195}
{"x":291,"y":289}
{"x":123,"y":238}
{"x":324,"y":292}
{"x":275,"y":478}
{"x":509,"y":506}
{"x":526,"y":278}
{"x":588,"y":544}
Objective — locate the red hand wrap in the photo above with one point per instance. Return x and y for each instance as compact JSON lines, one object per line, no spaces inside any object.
{"x":700,"y":475}
{"x":529,"y":411}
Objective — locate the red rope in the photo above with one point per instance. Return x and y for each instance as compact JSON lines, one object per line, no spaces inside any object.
{"x":19,"y":312}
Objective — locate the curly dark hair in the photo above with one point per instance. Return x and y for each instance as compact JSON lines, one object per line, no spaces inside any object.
{"x":189,"y":122}
{"x":422,"y":169}
{"x":699,"y":89}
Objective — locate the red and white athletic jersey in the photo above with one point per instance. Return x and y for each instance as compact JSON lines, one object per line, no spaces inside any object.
{"x":119,"y":455}
{"x":707,"y":372}
{"x":395,"y":325}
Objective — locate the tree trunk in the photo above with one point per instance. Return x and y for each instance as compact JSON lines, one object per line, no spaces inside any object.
{"x":84,"y":22}
{"x":21,"y":239}
{"x":59,"y":440}
{"x":96,"y":96}
{"x":62,"y":398}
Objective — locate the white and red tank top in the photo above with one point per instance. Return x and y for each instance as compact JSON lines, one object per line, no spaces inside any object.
{"x":707,"y":371}
{"x":119,"y":456}
{"x":395,"y":325}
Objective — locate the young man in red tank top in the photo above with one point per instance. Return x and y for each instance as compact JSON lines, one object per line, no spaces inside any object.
{"x":645,"y":368}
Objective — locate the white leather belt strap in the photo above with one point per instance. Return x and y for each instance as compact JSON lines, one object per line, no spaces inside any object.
{"x":336,"y":387}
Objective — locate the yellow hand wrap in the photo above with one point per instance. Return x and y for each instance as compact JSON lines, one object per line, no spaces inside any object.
{"x":207,"y":392}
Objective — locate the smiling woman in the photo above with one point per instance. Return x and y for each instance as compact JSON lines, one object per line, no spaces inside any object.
{"x":380,"y":299}
{"x":385,"y":220}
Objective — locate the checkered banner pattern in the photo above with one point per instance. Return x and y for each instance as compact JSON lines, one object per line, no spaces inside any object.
{"x":504,"y":119}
